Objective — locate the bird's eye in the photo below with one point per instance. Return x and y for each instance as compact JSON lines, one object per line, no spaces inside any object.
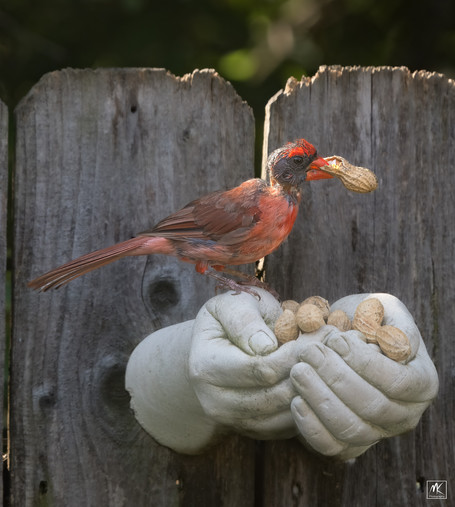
{"x":297,"y":160}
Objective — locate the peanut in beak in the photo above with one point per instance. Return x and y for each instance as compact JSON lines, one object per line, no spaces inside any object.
{"x":354,"y":178}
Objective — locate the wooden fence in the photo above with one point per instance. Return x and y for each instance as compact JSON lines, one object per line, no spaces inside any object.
{"x":3,"y":248}
{"x":103,"y":154}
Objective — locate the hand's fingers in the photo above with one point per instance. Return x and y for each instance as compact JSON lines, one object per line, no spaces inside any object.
{"x":215,"y":360}
{"x":242,"y":317}
{"x":269,"y":307}
{"x":266,"y":427}
{"x":229,"y":405}
{"x":338,"y":418}
{"x":415,"y":382}
{"x":313,"y":433}
{"x":365,"y":400}
{"x":395,"y":314}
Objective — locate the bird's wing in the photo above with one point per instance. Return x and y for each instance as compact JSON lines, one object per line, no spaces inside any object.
{"x":224,"y":216}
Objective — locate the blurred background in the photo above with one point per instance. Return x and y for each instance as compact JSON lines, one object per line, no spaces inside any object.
{"x":255,"y":44}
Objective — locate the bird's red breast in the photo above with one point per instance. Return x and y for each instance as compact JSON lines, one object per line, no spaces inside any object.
{"x":277,"y":217}
{"x":237,"y":226}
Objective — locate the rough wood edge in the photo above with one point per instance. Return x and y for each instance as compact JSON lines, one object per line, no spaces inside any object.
{"x":293,"y":86}
{"x":189,"y":79}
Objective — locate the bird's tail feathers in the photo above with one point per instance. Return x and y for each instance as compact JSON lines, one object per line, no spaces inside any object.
{"x":63,"y":274}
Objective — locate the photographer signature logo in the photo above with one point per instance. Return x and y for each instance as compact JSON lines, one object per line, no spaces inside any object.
{"x":436,"y":490}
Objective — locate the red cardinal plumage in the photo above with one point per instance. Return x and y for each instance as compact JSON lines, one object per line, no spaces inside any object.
{"x":232,"y":227}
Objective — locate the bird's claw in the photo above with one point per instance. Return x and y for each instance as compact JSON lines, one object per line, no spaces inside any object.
{"x":237,"y":288}
{"x":250,"y":291}
{"x":230,"y":284}
{"x":251,"y":281}
{"x":262,"y":285}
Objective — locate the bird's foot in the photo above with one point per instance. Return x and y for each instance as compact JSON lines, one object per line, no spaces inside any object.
{"x":228,"y":283}
{"x":262,"y":285}
{"x":252,"y":280}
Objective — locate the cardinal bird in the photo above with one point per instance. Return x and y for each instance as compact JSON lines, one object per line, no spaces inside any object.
{"x":232,"y":227}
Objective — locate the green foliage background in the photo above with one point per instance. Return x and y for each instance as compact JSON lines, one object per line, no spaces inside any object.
{"x":255,"y":44}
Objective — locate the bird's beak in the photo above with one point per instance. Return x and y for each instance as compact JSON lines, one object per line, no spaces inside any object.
{"x":316,"y":170}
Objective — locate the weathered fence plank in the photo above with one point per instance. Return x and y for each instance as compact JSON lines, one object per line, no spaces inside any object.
{"x":400,"y":240}
{"x":3,"y":249}
{"x":102,"y":155}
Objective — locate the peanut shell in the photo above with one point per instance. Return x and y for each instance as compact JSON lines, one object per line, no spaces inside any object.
{"x":309,"y":318}
{"x":339,"y":319}
{"x":355,"y":178}
{"x":321,"y":303}
{"x":286,"y":328}
{"x":368,"y":317}
{"x":290,"y":304}
{"x":393,"y":343}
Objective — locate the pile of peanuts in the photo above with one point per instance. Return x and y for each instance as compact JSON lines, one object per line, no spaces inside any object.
{"x":314,"y":312}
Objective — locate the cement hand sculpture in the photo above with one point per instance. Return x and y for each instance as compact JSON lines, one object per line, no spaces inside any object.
{"x":351,"y":395}
{"x":195,"y":382}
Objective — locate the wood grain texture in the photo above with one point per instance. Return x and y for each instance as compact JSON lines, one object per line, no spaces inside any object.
{"x":400,"y":240}
{"x":3,"y":248}
{"x":100,"y":156}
